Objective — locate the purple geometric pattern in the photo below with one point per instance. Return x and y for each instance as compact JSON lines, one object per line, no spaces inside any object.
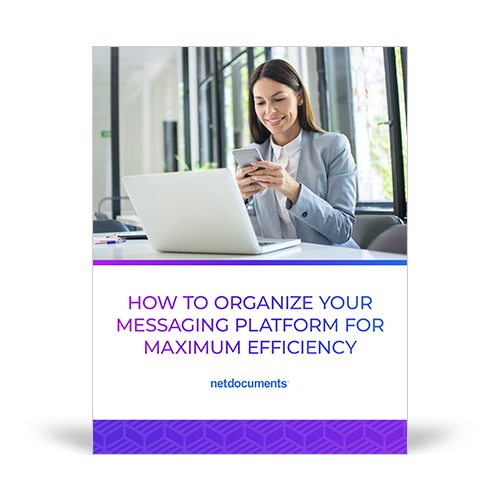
{"x":250,"y":436}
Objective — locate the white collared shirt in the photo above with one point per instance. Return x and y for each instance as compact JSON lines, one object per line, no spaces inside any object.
{"x":288,"y":156}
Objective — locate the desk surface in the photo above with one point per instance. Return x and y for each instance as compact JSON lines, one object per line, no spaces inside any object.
{"x":142,"y":250}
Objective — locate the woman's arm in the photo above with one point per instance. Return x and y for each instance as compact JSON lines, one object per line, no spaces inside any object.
{"x":332,"y":217}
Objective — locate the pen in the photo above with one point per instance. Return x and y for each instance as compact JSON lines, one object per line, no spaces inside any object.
{"x":109,"y":242}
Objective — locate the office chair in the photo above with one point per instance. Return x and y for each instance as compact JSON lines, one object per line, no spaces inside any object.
{"x":368,"y":227}
{"x":99,"y":215}
{"x":109,"y":226}
{"x":393,"y":240}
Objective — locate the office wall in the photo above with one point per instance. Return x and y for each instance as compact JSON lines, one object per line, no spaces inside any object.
{"x":150,"y":93}
{"x":101,"y":122}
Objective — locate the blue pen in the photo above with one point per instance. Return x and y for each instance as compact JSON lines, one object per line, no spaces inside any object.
{"x":109,"y":242}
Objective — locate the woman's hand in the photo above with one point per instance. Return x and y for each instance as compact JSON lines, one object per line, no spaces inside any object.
{"x":247,"y":185}
{"x":274,"y":176}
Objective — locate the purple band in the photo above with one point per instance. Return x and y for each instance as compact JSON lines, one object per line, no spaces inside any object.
{"x":250,"y":436}
{"x":402,"y":262}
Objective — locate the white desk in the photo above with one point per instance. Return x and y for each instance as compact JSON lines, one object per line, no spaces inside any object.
{"x":141,"y":250}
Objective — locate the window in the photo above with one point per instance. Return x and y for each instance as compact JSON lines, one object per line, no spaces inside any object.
{"x":400,"y":54}
{"x":208,"y":107}
{"x":235,"y":75}
{"x":357,"y":91}
{"x":223,"y":76}
{"x":366,"y":103}
{"x":371,"y":124}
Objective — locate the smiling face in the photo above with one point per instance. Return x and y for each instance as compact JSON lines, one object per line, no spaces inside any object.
{"x":276,"y":106}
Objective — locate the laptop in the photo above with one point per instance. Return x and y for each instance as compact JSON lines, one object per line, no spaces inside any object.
{"x":197,"y":212}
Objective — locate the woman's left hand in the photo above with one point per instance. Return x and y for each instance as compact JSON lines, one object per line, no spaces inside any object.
{"x":276,"y":177}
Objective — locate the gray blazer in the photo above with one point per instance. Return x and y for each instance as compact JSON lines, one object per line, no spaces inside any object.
{"x":324,"y":212}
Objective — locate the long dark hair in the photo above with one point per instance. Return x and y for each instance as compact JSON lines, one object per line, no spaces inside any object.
{"x":282,"y":72}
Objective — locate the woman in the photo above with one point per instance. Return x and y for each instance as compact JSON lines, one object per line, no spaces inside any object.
{"x":306,"y":186}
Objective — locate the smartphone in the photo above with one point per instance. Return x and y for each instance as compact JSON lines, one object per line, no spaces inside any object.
{"x":246,"y":156}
